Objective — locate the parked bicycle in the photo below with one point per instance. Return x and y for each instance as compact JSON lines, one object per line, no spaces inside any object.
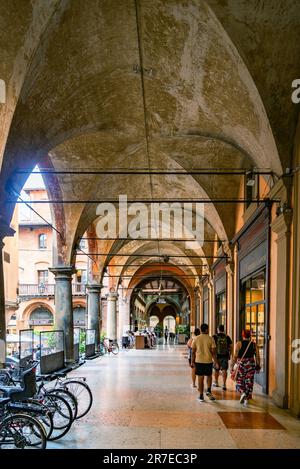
{"x":19,"y":430}
{"x":59,"y":418}
{"x":109,"y":346}
{"x":77,"y":387}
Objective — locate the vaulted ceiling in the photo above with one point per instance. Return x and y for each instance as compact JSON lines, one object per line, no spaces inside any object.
{"x":169,"y":84}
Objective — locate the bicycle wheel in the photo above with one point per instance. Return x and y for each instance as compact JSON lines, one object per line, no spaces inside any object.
{"x":61,"y":414}
{"x":82,"y":393}
{"x":35,"y":409}
{"x":22,"y":431}
{"x":115,"y":349}
{"x":70,"y":398}
{"x":47,"y":422}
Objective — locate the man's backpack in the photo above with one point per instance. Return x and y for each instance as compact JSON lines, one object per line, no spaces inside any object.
{"x":222,"y":345}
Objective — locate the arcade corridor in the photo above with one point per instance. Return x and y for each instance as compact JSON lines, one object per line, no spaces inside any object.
{"x":150,"y":184}
{"x":143,"y":399}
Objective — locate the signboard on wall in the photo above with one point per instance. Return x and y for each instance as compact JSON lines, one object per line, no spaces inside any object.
{"x":220,"y":284}
{"x":254,"y":260}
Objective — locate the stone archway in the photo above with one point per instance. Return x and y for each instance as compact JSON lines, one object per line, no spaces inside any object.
{"x":153,"y":321}
{"x":162,"y":311}
{"x":169,"y":322}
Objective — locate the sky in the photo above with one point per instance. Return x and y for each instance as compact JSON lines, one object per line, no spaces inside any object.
{"x":34,"y":180}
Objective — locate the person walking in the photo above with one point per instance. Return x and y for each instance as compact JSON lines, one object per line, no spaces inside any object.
{"x":166,"y":335}
{"x":224,"y":350}
{"x":189,"y":346}
{"x":247,"y":361}
{"x":203,"y":356}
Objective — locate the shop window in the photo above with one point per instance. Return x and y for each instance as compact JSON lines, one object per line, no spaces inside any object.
{"x":205,"y":311}
{"x":13,"y":320}
{"x":205,"y":305}
{"x":42,"y":241}
{"x":81,"y":276}
{"x":253,"y":312}
{"x":221,"y":315}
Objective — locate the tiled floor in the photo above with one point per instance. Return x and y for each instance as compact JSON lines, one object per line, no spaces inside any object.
{"x":144,"y":399}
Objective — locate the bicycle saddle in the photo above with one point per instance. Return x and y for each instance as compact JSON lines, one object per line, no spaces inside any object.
{"x":60,"y":374}
{"x":26,"y":390}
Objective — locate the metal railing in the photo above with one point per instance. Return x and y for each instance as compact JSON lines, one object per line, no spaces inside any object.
{"x":47,"y":289}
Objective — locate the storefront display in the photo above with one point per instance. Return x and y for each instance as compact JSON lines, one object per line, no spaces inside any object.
{"x":253,"y":281}
{"x":220,"y":294}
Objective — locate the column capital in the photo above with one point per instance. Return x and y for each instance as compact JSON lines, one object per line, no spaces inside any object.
{"x":228,"y":249}
{"x":210,"y":282}
{"x":94,"y":287}
{"x":112,"y":296}
{"x":282,"y":223}
{"x":63,"y":271}
{"x":230,"y":267}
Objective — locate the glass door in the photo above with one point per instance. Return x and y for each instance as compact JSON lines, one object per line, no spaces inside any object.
{"x":221,"y":316}
{"x":261,"y":342}
{"x":252,"y":317}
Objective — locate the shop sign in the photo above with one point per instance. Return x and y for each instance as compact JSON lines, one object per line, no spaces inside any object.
{"x":254,"y":260}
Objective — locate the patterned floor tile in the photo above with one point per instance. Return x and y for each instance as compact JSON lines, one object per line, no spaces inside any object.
{"x":250,"y":420}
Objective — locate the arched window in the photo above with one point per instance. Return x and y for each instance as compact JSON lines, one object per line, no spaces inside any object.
{"x":12,"y":321}
{"x":42,"y":241}
{"x":169,"y":323}
{"x":153,"y":321}
{"x":41,"y":317}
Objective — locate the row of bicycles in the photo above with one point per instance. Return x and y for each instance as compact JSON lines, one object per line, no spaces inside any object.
{"x":37,"y":409}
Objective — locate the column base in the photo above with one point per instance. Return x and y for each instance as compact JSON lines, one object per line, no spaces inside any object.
{"x":281,"y":400}
{"x":70,"y":362}
{"x":295,"y":409}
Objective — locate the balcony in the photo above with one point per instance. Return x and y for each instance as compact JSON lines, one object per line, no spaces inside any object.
{"x":33,"y":290}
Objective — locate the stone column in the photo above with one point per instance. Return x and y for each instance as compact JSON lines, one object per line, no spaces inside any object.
{"x":64,"y":307}
{"x":5,"y":230}
{"x":282,"y":227}
{"x":124,"y":316}
{"x":211,"y":302}
{"x":197,"y":307}
{"x":200,"y":306}
{"x":2,"y":311}
{"x":295,"y":326}
{"x":230,"y":299}
{"x":111,"y":320}
{"x":93,"y":309}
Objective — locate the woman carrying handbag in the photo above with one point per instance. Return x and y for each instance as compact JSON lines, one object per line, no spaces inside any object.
{"x":244,"y":365}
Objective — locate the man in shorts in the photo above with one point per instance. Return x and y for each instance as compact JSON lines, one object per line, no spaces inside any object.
{"x":224,"y":352}
{"x":203,"y":356}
